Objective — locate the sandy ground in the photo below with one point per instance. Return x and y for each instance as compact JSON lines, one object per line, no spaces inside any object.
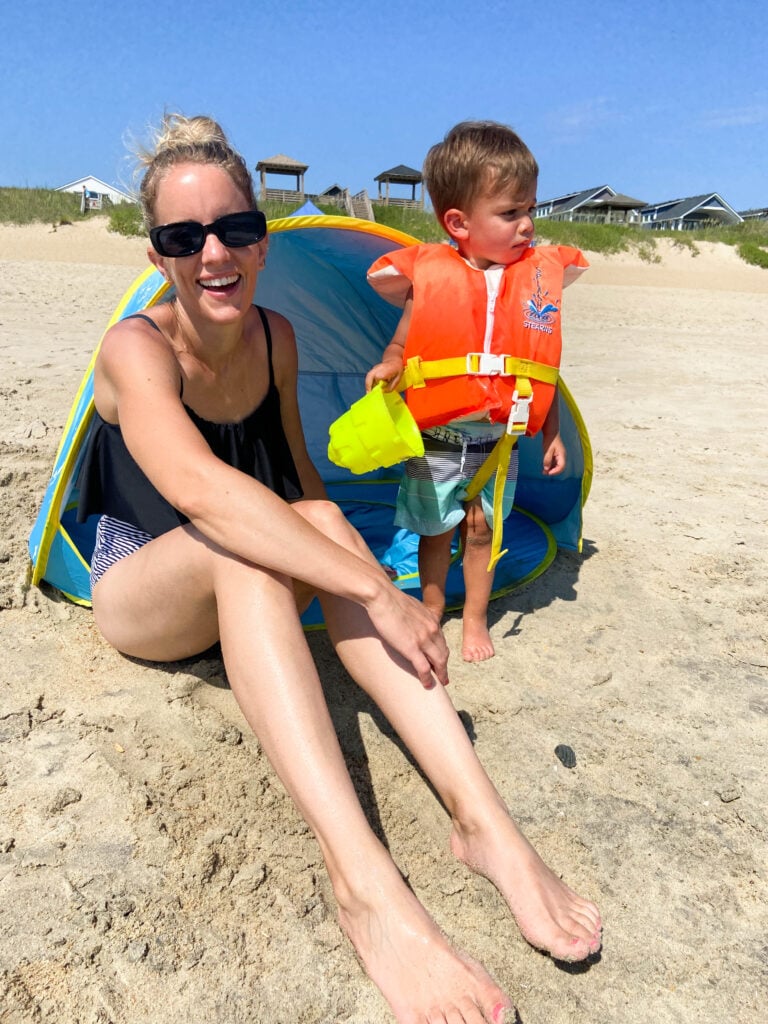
{"x":152,"y":868}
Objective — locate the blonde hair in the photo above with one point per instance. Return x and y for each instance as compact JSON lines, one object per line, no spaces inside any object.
{"x":188,"y":140}
{"x":476,"y":158}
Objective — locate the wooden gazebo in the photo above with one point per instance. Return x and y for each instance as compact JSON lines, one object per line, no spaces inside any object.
{"x":400,"y":175}
{"x":282,"y":164}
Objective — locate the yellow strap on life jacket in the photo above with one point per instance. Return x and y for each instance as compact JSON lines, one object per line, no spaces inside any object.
{"x":418,"y":371}
{"x":499,"y":460}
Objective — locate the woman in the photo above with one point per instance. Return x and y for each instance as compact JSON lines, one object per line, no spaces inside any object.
{"x":215,"y":527}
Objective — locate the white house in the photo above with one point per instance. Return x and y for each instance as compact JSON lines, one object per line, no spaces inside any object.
{"x":95,"y":192}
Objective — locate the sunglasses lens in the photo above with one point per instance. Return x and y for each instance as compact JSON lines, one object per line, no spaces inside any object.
{"x":239,"y":229}
{"x":180,"y":239}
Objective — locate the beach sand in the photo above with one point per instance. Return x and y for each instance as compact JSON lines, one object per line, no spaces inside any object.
{"x":152,"y":868}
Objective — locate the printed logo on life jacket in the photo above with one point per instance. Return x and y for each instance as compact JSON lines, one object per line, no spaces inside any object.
{"x":539,"y":311}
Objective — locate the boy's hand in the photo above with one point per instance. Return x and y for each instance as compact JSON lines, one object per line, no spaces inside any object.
{"x":555,"y":457}
{"x":389,"y":371}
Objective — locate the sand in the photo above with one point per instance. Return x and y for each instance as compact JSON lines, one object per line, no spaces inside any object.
{"x":152,"y":868}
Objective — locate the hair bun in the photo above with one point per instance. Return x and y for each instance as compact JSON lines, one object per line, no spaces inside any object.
{"x":179,"y":132}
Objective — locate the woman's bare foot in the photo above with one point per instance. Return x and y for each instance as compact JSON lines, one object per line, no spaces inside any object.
{"x":419,"y":973}
{"x":549,"y":914}
{"x":476,"y":642}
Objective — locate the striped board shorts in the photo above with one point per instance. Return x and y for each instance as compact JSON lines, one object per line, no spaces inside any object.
{"x":433,"y":487}
{"x":114,"y":540}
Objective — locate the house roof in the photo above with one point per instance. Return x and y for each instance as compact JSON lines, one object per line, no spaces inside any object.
{"x":676,"y":209}
{"x":401,"y":173}
{"x":603,"y":195}
{"x":281,"y":162}
{"x":89,"y":180}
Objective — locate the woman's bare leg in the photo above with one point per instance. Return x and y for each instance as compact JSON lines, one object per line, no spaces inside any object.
{"x":274,"y":679}
{"x":550,"y":915}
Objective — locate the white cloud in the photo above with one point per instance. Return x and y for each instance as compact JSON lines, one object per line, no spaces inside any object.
{"x":738,"y":117}
{"x":581,"y":119}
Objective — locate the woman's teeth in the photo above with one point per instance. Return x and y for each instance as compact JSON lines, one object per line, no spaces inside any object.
{"x":220,"y":282}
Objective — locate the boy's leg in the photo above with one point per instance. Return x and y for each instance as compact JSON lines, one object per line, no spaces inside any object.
{"x":428,"y":505}
{"x":476,"y":539}
{"x":434,"y":562}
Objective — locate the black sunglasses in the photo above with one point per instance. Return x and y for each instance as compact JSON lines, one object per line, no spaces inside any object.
{"x":186,"y":237}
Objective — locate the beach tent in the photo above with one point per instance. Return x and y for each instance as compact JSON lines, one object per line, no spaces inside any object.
{"x":316,"y":276}
{"x":308,"y":209}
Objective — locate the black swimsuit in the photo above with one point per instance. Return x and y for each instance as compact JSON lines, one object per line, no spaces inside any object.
{"x":113,"y":485}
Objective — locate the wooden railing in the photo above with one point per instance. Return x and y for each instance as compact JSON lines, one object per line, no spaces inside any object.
{"x":409,"y":204}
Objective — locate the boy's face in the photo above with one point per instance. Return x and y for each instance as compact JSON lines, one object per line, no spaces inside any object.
{"x":496,"y":229}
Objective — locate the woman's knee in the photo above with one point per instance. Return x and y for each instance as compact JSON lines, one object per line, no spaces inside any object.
{"x":327,"y":517}
{"x":318,"y":511}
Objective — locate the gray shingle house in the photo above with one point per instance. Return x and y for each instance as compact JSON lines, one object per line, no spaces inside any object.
{"x":690,"y":214}
{"x":602,"y":205}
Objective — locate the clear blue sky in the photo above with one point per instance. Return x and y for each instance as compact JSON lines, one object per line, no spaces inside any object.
{"x":659,"y":99}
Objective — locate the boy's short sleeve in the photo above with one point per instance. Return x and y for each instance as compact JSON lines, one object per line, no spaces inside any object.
{"x":573,"y":262}
{"x":391,"y":275}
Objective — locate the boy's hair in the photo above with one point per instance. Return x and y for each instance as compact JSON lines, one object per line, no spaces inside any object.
{"x":476,"y":158}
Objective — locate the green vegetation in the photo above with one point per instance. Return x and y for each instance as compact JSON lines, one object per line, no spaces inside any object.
{"x":750,"y":238}
{"x":605,"y":238}
{"x":420,"y":224}
{"x":755,"y":254}
{"x":30,"y":205}
{"x":38,"y":205}
{"x":276,"y":211}
{"x":125,"y":219}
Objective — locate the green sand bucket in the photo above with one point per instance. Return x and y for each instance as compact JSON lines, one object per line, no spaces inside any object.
{"x":377,"y":431}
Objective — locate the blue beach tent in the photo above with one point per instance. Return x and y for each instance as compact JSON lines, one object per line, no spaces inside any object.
{"x":316,"y":277}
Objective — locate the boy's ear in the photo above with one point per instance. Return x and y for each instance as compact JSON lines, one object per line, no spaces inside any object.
{"x":455,"y":223}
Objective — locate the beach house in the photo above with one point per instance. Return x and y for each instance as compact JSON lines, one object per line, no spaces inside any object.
{"x":601,"y":205}
{"x":94,"y":192}
{"x":690,"y":214}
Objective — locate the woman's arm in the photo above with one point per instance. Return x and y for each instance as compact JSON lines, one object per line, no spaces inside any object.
{"x":138,"y":385}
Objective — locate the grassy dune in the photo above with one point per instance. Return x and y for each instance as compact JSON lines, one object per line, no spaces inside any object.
{"x":29,"y":205}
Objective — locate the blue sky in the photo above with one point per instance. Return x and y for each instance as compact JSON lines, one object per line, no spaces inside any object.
{"x":660,"y":99}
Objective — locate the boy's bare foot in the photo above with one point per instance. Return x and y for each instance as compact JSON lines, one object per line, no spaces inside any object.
{"x":549,"y":914}
{"x":476,"y":641}
{"x":419,"y":973}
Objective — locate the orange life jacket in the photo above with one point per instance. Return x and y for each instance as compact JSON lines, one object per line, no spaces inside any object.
{"x":469,"y":351}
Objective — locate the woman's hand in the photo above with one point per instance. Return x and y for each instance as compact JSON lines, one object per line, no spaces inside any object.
{"x":411,"y":629}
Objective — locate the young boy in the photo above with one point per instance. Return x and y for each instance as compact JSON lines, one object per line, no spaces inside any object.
{"x":476,"y":350}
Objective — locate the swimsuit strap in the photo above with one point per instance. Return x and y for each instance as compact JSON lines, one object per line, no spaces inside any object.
{"x":143,"y":316}
{"x":268,"y":336}
{"x":151,"y":322}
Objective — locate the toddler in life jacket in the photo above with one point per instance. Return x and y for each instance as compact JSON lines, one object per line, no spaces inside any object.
{"x":476,"y":352}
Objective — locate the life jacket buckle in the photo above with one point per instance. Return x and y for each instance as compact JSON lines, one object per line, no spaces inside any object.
{"x":519,"y":413}
{"x":487,"y":364}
